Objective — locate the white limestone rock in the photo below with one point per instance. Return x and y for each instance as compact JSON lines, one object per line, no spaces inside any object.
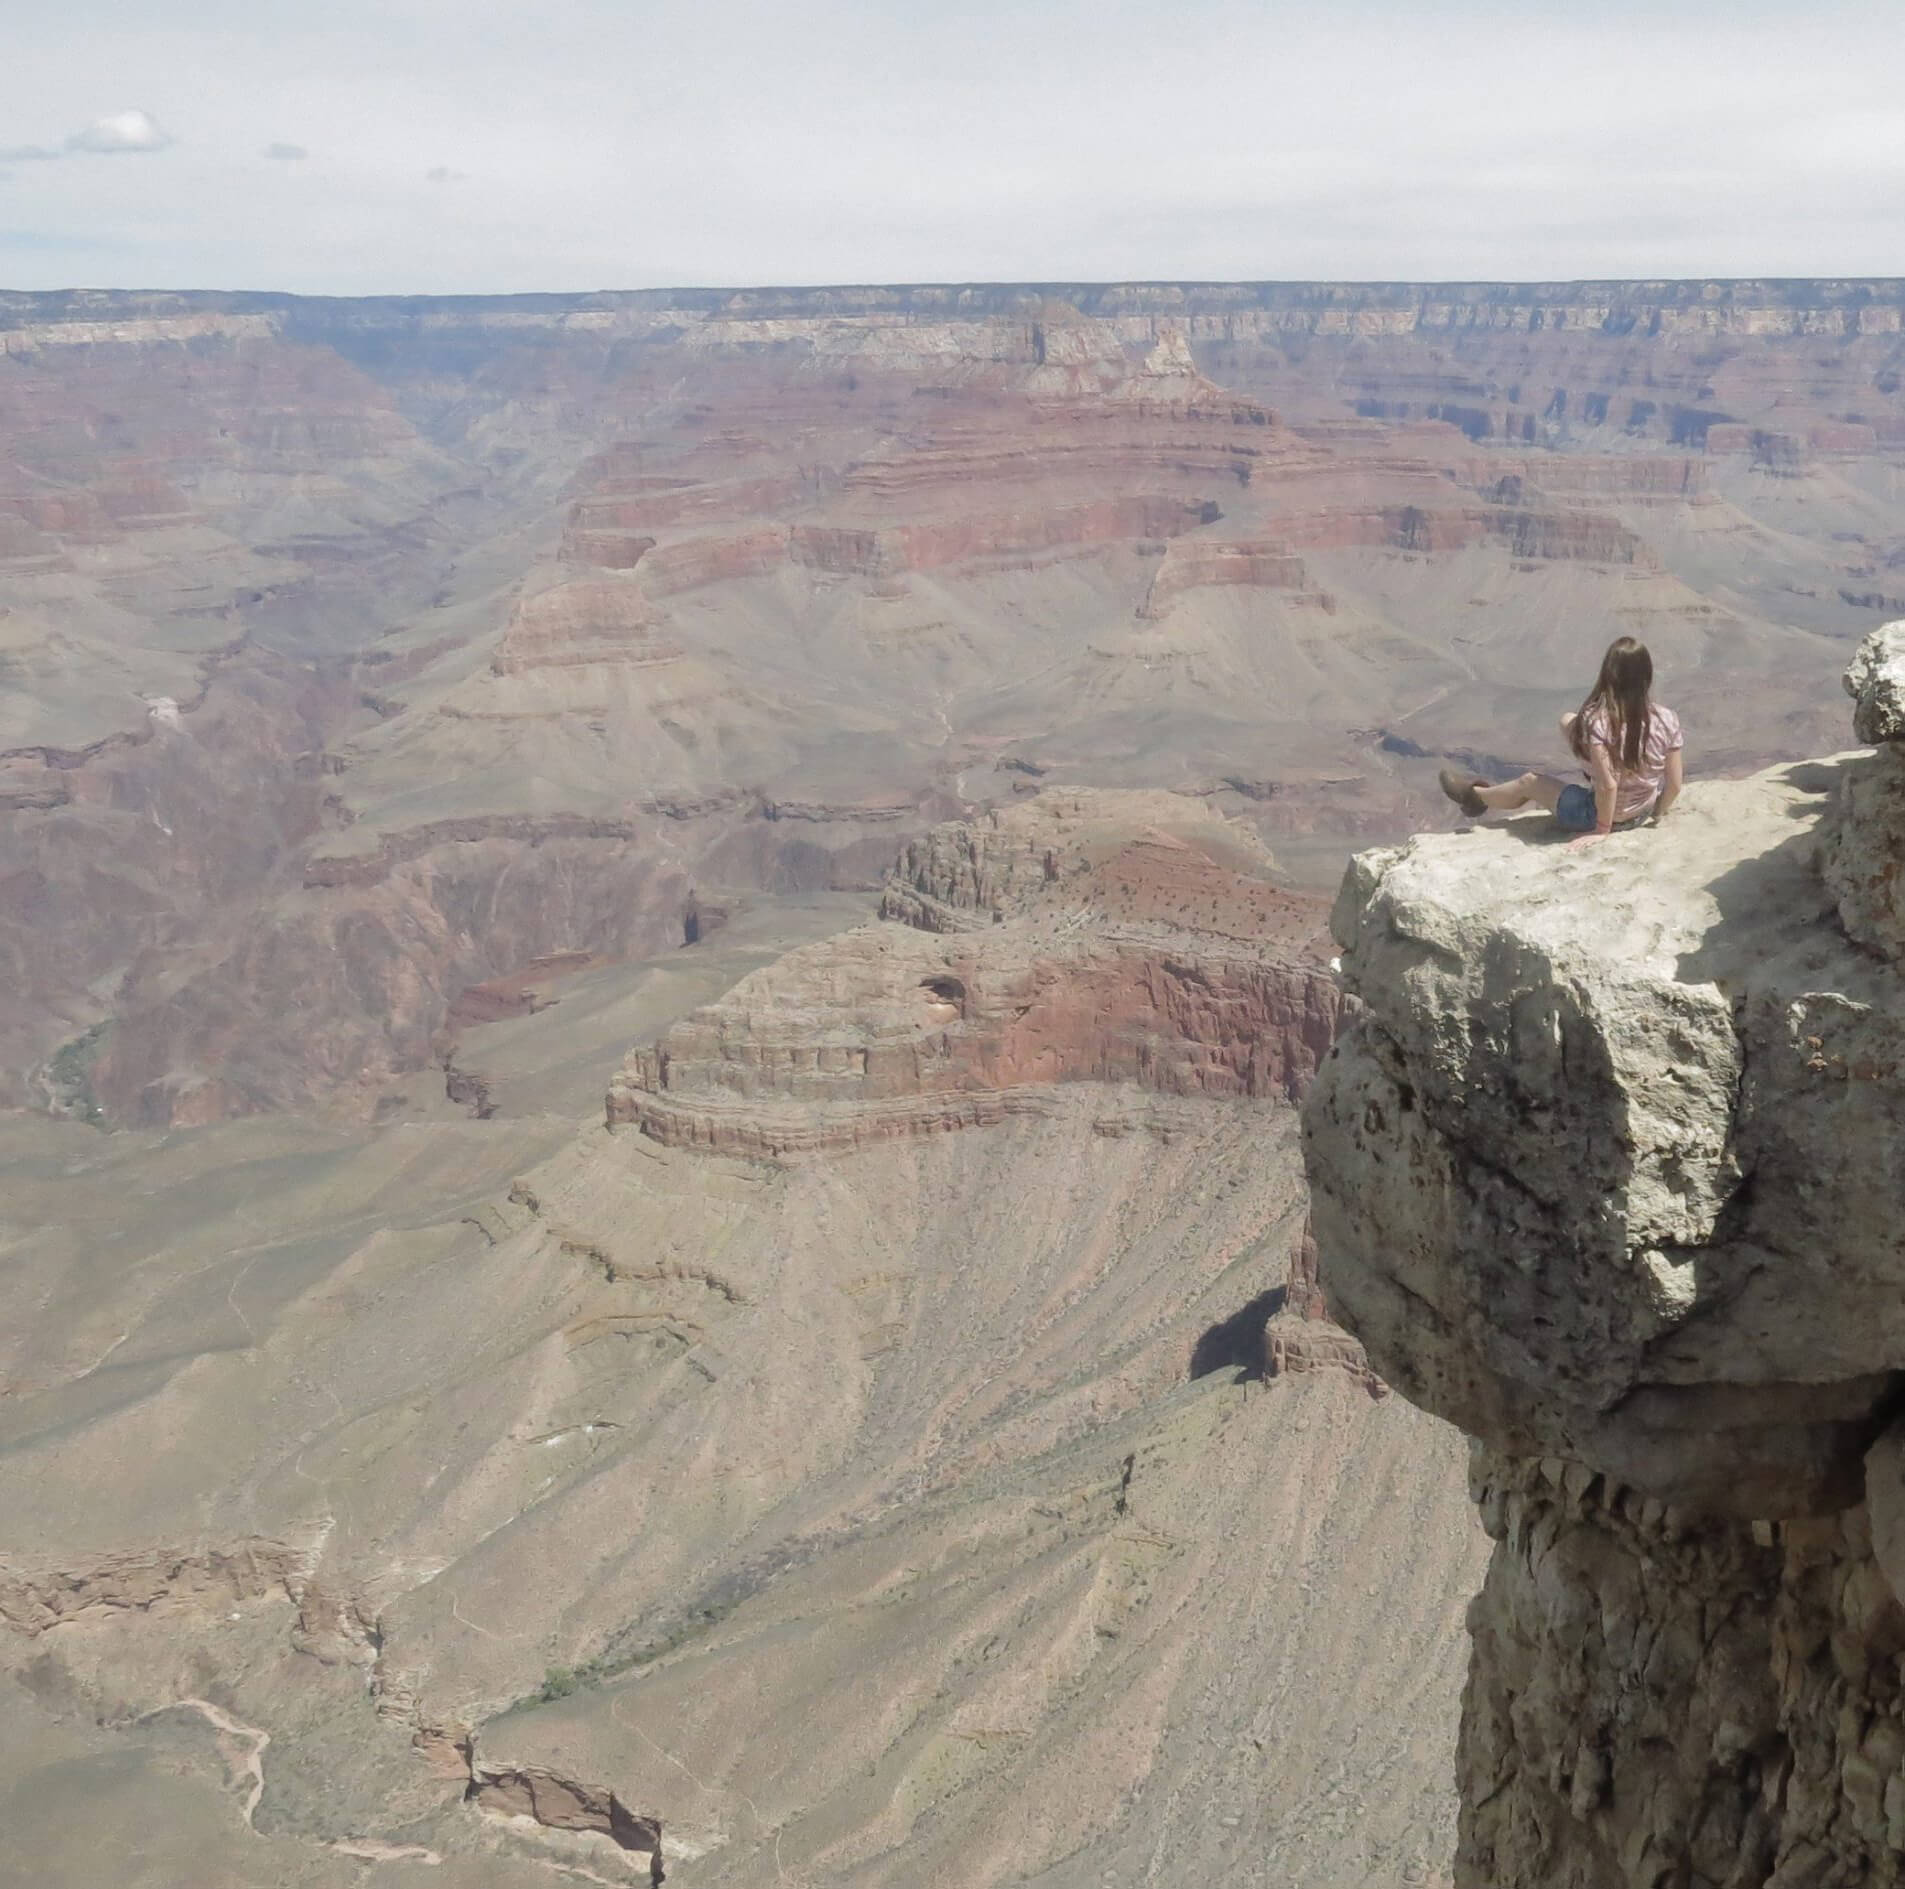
{"x":1610,"y":1170}
{"x":1865,"y":844}
{"x":1658,"y":1699}
{"x":1864,"y":856}
{"x":1875,"y":679}
{"x":1608,"y":1167}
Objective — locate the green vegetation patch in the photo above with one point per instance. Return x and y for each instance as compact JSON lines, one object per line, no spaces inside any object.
{"x":69,"y":1076}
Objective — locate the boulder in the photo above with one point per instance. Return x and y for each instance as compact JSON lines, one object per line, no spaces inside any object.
{"x":1875,"y":679}
{"x":1866,"y":843}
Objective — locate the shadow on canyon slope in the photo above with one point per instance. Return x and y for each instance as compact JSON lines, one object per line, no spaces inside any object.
{"x":1237,"y":1342}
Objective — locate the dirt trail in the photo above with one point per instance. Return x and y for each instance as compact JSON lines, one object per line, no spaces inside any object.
{"x":249,"y":1764}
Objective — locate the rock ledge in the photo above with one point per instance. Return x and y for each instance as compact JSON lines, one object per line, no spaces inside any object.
{"x":1570,"y":1164}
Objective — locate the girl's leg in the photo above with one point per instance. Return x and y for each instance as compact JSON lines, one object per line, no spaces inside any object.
{"x":1525,"y":790}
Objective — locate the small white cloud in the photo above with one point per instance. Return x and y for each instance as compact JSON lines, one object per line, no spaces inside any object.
{"x":121,"y":131}
{"x":443,"y":174}
{"x":286,"y":153}
{"x":26,"y":154}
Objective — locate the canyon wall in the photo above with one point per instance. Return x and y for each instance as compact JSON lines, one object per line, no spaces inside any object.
{"x":1607,"y":1171}
{"x":343,"y":641}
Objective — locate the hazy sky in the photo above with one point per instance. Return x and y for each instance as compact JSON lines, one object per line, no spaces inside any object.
{"x":356,"y":146}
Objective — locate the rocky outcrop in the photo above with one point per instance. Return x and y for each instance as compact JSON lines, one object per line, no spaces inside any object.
{"x":204,"y":1579}
{"x":693,"y":563}
{"x":1149,"y":857}
{"x":1606,"y":1172}
{"x":885,"y":1031}
{"x":1865,"y":848}
{"x":559,"y":1803}
{"x":1569,"y":1163}
{"x":1245,"y":563}
{"x":1133,"y":939}
{"x":1300,"y":1336}
{"x":1114,"y":949}
{"x":1657,"y":1697}
{"x":576,"y":624}
{"x":860,"y":551}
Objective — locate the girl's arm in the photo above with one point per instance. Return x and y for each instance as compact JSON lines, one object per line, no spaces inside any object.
{"x":1670,"y":790}
{"x":1601,"y":773}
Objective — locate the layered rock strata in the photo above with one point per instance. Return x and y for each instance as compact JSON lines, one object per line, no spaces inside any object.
{"x":1134,"y":940}
{"x":1116,"y":947}
{"x":293,"y":593}
{"x":506,"y":1592}
{"x":1607,"y":1172}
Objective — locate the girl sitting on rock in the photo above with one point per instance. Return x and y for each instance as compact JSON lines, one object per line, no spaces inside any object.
{"x":1629,"y":745}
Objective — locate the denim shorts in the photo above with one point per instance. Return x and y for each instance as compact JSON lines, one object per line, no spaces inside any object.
{"x":1575,"y":808}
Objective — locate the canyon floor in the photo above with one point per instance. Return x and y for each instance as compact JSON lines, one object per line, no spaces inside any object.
{"x":656,"y":954}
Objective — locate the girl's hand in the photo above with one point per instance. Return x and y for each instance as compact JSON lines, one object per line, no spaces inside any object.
{"x":1586,"y":839}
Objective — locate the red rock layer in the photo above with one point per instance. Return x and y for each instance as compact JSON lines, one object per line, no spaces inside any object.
{"x":582,"y":623}
{"x":1250,"y":563}
{"x":1083,"y":977}
{"x":695,"y":562}
{"x":673,"y":502}
{"x":992,"y":1011}
{"x":691,"y":564}
{"x":1523,"y":532}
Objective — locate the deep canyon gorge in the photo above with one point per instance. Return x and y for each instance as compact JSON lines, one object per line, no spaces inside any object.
{"x":663,"y":953}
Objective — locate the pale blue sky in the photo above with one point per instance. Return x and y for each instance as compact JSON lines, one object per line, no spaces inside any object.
{"x":584,"y":144}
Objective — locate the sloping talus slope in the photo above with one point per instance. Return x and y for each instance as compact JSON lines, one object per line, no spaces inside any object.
{"x":797,"y":1502}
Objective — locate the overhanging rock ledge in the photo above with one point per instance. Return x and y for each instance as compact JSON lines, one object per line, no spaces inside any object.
{"x":1609,"y":1170}
{"x":1611,"y":1165}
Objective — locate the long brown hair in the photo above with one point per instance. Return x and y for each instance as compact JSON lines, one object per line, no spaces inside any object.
{"x":1621,"y":695}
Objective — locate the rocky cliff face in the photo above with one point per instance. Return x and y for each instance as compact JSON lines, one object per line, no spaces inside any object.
{"x":1608,"y":1172}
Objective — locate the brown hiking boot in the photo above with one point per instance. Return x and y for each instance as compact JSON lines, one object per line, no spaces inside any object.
{"x":1460,"y":788}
